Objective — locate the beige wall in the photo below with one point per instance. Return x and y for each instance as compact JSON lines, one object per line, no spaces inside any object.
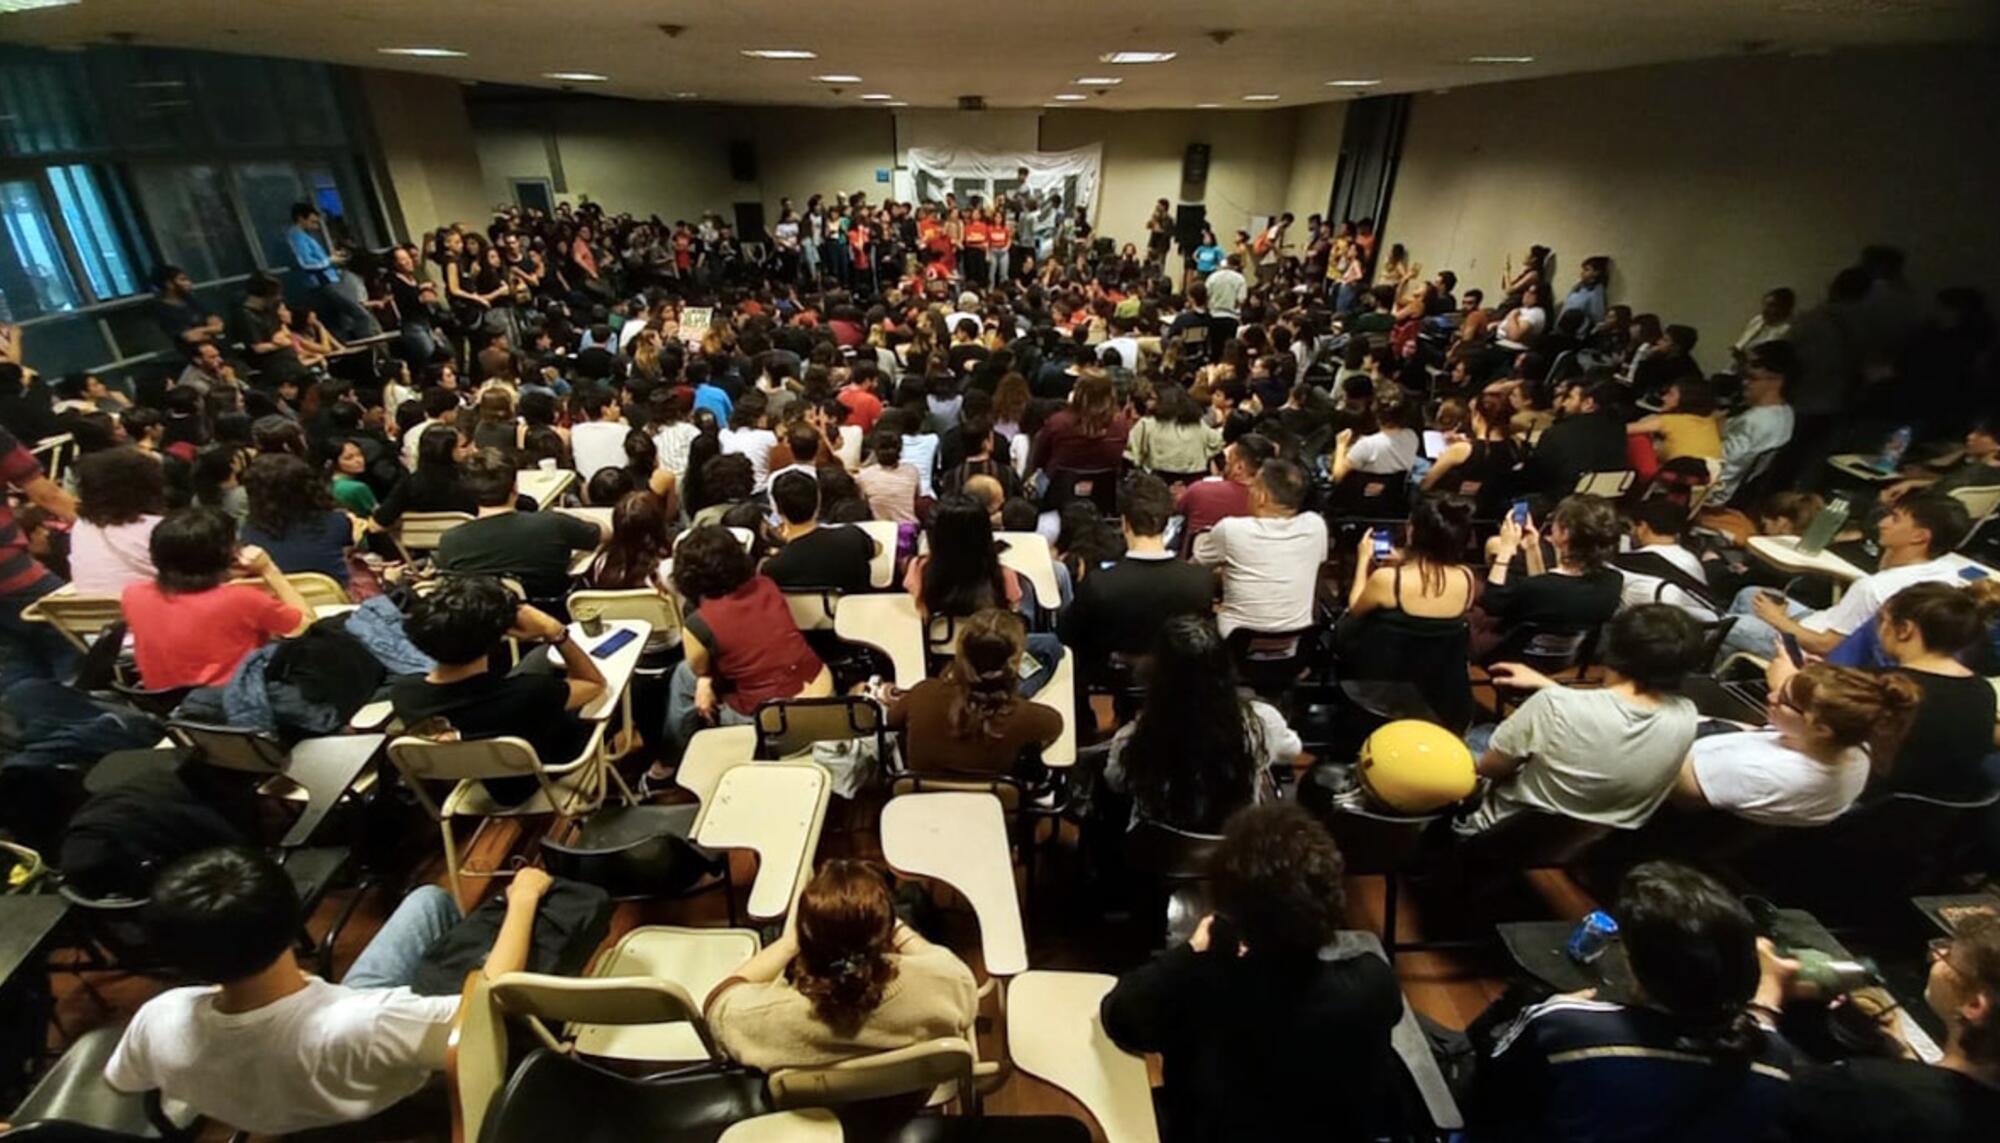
{"x":1315,"y":156}
{"x":672,"y":159}
{"x":1708,"y":183}
{"x":427,"y":149}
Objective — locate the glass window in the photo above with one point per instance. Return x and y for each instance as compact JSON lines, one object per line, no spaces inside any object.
{"x":268,"y":192}
{"x":307,"y":102}
{"x":100,"y":225}
{"x":46,"y":106}
{"x":235,"y":99}
{"x":34,"y":276}
{"x":194,"y":220}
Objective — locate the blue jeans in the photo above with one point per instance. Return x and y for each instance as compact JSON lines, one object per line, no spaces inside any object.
{"x":391,"y":959}
{"x":1751,"y":634}
{"x":31,"y":650}
{"x":1479,"y":738}
{"x":339,"y":306}
{"x":1048,"y":651}
{"x":683,"y":720}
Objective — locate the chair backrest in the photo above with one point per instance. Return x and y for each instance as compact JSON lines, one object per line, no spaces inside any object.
{"x":53,"y":453}
{"x":659,"y":609}
{"x":1610,"y":485}
{"x":543,"y":999}
{"x":318,"y":589}
{"x":1713,"y":635}
{"x":1532,"y":839}
{"x":421,"y":760}
{"x":1097,"y":485}
{"x":79,"y":618}
{"x":475,"y":1057}
{"x":1004,"y":787}
{"x":231,"y":748}
{"x":813,"y":607}
{"x":1166,"y":852}
{"x":1548,"y":648}
{"x":919,"y":1068}
{"x":787,"y":727}
{"x":1980,"y":502}
{"x":1372,"y":496}
{"x":421,"y":531}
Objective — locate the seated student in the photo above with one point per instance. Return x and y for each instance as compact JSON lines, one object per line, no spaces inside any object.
{"x":460,"y":624}
{"x":1483,"y":464}
{"x":1926,"y":632}
{"x":1977,"y":465}
{"x":1877,"y":1098}
{"x":1694,"y":1055}
{"x":1580,"y":591}
{"x":598,"y":438}
{"x":265,"y":1048}
{"x":1171,"y":439}
{"x":1269,"y":560}
{"x":1120,"y":609}
{"x":636,"y":555}
{"x":1586,"y":437}
{"x":1752,"y":437}
{"x":727,"y":483}
{"x":1829,"y":727}
{"x":189,"y":626}
{"x":1609,"y":754}
{"x":814,"y":555}
{"x":846,"y":979}
{"x":1198,"y":750}
{"x":741,"y":642}
{"x":1916,"y":535}
{"x":1390,"y":449}
{"x":533,"y":547}
{"x":1685,"y":424}
{"x":293,"y":517}
{"x":121,"y":497}
{"x":1658,"y":569}
{"x":973,"y":718}
{"x":433,"y":485}
{"x":1215,"y":498}
{"x":962,"y":572}
{"x":890,"y":484}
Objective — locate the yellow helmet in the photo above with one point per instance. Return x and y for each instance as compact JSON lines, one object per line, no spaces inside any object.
{"x":1416,"y":767}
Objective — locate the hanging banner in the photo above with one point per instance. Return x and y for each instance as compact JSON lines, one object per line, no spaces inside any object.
{"x":1066,"y":177}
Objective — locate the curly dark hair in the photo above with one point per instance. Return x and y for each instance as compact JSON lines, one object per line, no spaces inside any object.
{"x":1277,"y":878}
{"x":710,"y":563}
{"x":1591,"y":525}
{"x":118,"y":486}
{"x":285,"y":492}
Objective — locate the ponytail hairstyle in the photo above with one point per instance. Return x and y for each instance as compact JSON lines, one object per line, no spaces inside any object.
{"x":982,"y":673}
{"x":1950,"y":620}
{"x":846,"y":929}
{"x":1859,"y":708}
{"x":1693,"y":950}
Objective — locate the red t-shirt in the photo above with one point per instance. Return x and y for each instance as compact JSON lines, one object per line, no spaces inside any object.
{"x":198,"y":638}
{"x":863,"y":408}
{"x":18,"y":469}
{"x":754,"y":645}
{"x":975,"y":236}
{"x":999,"y":236}
{"x":1207,"y":501}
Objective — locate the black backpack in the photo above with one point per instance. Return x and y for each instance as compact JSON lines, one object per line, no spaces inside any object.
{"x":572,"y":920}
{"x":122,"y":838}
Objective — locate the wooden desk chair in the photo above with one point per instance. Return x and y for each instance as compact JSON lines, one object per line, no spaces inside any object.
{"x":882,"y":568}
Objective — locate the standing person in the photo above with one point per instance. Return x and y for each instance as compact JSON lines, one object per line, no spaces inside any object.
{"x":335,"y":292}
{"x":1269,"y":560}
{"x":785,"y":237}
{"x":1270,"y":247}
{"x":1159,"y":236}
{"x":999,"y":246}
{"x":1260,"y":1028}
{"x":31,"y":650}
{"x":1226,"y":290}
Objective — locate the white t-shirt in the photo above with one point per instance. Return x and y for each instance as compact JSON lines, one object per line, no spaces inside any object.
{"x":104,"y":561}
{"x":1590,"y":754}
{"x":597,"y":445}
{"x":1867,"y":594}
{"x":1642,"y":588}
{"x":1127,"y":348}
{"x":321,"y":1056}
{"x":673,"y":441}
{"x":1528,"y":321}
{"x":1269,"y":568}
{"x":1754,"y":776}
{"x":755,"y":444}
{"x":1385,"y":453}
{"x":1225,"y":292}
{"x":920,"y":453}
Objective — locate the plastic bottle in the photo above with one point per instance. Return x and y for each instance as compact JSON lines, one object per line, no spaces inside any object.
{"x":1824,"y":527}
{"x":1893,"y":450}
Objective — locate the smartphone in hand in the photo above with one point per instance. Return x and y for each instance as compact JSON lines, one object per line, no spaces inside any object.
{"x":1793,"y":651}
{"x":1520,"y":513}
{"x":1383,"y":548}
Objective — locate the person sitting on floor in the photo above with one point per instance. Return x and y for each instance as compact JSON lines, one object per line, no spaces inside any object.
{"x":846,"y":979}
{"x":263,"y":1047}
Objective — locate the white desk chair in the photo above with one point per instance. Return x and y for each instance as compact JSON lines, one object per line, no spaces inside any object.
{"x":776,"y":809}
{"x":944,"y":1067}
{"x":813,"y":610}
{"x":575,"y":787}
{"x":805,"y":1125}
{"x":1029,"y":555}
{"x":77,"y":618}
{"x":882,"y":568}
{"x":420,"y":532}
{"x":1059,"y":695}
{"x":711,"y":753}
{"x":317,"y":588}
{"x":1610,"y":485}
{"x":1053,"y":1034}
{"x":475,"y":1058}
{"x":661,"y":611}
{"x":889,"y":624}
{"x":961,"y":840}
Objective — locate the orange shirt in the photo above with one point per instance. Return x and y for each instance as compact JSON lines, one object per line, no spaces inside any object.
{"x":930,"y":232}
{"x":975,"y":236}
{"x":999,"y":236}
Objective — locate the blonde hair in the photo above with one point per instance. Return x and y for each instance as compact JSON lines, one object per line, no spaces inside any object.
{"x":1859,"y":708}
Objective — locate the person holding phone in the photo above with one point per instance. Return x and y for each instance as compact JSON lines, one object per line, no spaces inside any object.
{"x":1406,"y":620}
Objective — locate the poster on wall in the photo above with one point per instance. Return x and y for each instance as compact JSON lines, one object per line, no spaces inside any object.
{"x":1067,"y":177}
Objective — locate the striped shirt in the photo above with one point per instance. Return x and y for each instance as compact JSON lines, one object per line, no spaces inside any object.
{"x":18,"y":569}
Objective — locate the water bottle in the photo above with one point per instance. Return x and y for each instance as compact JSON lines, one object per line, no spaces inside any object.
{"x":1893,"y":450}
{"x":1824,"y":527}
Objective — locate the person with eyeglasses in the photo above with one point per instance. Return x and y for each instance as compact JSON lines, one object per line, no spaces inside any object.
{"x":1897,"y":1097}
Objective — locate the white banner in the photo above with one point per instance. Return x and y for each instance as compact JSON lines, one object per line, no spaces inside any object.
{"x":1069,"y":177}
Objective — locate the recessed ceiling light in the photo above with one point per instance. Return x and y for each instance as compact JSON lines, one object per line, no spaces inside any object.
{"x":577,"y":76}
{"x":1261,"y":98}
{"x":780,"y":54}
{"x":878,"y":97}
{"x":837,"y":79}
{"x":31,"y":5}
{"x":1071,"y":97}
{"x":152,"y":84}
{"x":1353,"y":82}
{"x":1098,"y":81}
{"x":1500,"y":59}
{"x":424,"y":53}
{"x":1135,"y":57}
{"x":896,"y":103}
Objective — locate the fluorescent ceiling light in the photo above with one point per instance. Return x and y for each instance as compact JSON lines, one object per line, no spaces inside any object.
{"x":684,"y":94}
{"x":1135,"y":57}
{"x":1262,"y":98}
{"x":31,"y":5}
{"x":1070,"y":97}
{"x":577,"y":76}
{"x":780,"y":54}
{"x":878,"y":97}
{"x":896,"y":103}
{"x":425,"y":53}
{"x":837,"y":79}
{"x":1501,"y":59}
{"x":1098,"y":81}
{"x":1206,"y":106}
{"x":1353,"y":82}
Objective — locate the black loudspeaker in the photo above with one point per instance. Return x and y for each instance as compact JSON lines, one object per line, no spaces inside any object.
{"x":1194,"y":168}
{"x":742,"y":161}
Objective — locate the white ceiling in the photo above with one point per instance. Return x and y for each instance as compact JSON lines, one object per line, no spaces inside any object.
{"x":1016,"y":53}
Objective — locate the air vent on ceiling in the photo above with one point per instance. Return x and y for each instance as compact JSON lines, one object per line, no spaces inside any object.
{"x":972,"y":103}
